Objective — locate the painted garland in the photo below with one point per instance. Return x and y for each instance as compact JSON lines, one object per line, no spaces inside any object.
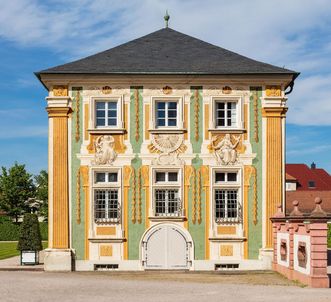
{"x":78,"y":197}
{"x":136,"y":104}
{"x":196,"y":114}
{"x":77,"y":135}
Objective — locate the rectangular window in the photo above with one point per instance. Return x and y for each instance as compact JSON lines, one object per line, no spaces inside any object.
{"x":224,"y":177}
{"x":167,"y":202}
{"x":106,"y":113}
{"x":105,"y":177}
{"x":226,"y":114}
{"x":166,"y":177}
{"x":226,"y":205}
{"x":166,"y":114}
{"x":106,"y":205}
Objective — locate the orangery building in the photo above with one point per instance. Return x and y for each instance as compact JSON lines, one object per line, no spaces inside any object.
{"x":165,"y":152}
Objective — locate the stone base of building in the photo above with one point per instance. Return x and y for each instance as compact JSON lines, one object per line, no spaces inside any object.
{"x":266,"y":256}
{"x":59,"y":260}
{"x":318,"y":281}
{"x":198,"y":265}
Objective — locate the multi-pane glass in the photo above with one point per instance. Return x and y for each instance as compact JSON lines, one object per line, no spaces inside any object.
{"x":167,"y":202}
{"x":107,"y":205}
{"x":166,"y":114}
{"x":226,"y":204}
{"x":104,"y":177}
{"x":226,"y":114}
{"x":106,"y":114}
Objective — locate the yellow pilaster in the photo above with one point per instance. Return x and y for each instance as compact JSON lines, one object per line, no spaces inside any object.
{"x":206,"y":188}
{"x":188,"y":170}
{"x":60,"y":189}
{"x":127,"y":172}
{"x":84,"y":171}
{"x":274,"y":165}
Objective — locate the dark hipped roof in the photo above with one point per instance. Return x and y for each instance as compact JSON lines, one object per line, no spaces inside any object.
{"x":167,"y":51}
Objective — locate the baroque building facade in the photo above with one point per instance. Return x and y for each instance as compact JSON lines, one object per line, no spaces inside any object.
{"x":164,"y":153}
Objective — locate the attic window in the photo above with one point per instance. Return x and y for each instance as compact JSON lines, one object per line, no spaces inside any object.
{"x":311,"y":184}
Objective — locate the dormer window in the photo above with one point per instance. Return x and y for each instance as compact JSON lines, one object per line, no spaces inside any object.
{"x":311,"y":184}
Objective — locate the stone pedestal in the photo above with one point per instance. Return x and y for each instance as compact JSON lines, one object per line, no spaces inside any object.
{"x":266,"y":255}
{"x":58,"y":260}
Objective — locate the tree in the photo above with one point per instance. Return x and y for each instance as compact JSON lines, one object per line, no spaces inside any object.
{"x":30,"y":237}
{"x":42,"y":192}
{"x":16,"y":186}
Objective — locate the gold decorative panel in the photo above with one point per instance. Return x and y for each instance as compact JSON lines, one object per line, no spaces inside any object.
{"x":226,"y":250}
{"x":119,"y":143}
{"x":167,"y":90}
{"x":273,"y":90}
{"x":226,"y":230}
{"x":240,"y":147}
{"x":106,"y":250}
{"x":106,"y":231}
{"x":60,"y":90}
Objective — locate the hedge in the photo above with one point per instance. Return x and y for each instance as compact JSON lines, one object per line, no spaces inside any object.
{"x":10,"y":231}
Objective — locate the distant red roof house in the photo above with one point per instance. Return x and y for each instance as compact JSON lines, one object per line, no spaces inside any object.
{"x":304,"y":184}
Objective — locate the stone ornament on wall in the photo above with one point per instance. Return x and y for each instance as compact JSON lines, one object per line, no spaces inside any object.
{"x":302,"y":254}
{"x":225,"y":151}
{"x":273,"y":91}
{"x":106,"y":90}
{"x":168,"y":146}
{"x":60,"y":90}
{"x":105,"y":153}
{"x":167,"y":90}
{"x":226,"y":90}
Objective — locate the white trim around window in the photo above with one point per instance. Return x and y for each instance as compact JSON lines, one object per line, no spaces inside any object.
{"x":113,"y":120}
{"x":167,"y":193}
{"x":106,"y":195}
{"x":227,"y":195}
{"x":168,"y":122}
{"x":226,"y":113}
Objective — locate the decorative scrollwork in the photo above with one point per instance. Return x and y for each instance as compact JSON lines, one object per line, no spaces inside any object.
{"x":78,"y":211}
{"x":199,"y":197}
{"x":77,"y":109}
{"x":196,"y":114}
{"x":136,"y":104}
{"x":194,"y":193}
{"x":134,"y":193}
{"x":139,"y":216}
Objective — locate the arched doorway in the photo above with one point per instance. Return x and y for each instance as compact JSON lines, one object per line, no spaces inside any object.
{"x":167,"y":246}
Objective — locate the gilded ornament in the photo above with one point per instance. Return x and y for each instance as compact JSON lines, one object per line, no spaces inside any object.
{"x":167,"y":90}
{"x":273,"y":91}
{"x":226,"y":90}
{"x":78,"y":211}
{"x":60,"y":90}
{"x":199,"y":197}
{"x":77,"y":109}
{"x":134,"y":195}
{"x":139,"y":218}
{"x":136,"y":104}
{"x":194,"y":190}
{"x":256,"y":117}
{"x":106,"y":90}
{"x":196,"y":114}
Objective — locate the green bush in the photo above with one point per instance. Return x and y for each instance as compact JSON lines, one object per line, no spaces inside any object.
{"x":44,"y":230}
{"x":9,"y":231}
{"x":30,"y":237}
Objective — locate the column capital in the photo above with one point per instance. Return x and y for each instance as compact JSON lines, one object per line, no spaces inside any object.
{"x":58,"y":111}
{"x":274,"y":111}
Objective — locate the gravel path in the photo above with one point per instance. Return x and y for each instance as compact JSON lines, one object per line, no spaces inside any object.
{"x":81,"y":287}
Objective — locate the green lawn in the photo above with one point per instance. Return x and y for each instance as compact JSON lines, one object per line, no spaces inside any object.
{"x":8,"y":249}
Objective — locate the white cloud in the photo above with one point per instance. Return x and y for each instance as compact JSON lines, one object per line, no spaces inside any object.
{"x":293,"y":33}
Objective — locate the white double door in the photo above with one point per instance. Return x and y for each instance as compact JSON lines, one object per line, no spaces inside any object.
{"x":166,"y":247}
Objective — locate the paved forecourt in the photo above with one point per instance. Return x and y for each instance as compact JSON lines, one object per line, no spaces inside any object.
{"x":154,"y":286}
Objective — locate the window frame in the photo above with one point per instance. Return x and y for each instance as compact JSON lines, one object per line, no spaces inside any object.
{"x":167,"y":185}
{"x":228,"y":186}
{"x":107,"y":186}
{"x":179,"y":118}
{"x":239,"y":114}
{"x":119,"y":127}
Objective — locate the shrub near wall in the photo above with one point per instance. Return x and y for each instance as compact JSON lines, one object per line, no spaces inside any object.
{"x":10,"y":231}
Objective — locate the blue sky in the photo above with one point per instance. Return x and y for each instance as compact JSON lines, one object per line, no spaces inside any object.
{"x":38,"y":34}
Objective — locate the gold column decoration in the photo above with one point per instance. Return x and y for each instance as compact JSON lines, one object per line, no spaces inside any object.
{"x":134,"y":195}
{"x":136,"y":104}
{"x":146,"y":121}
{"x":256,"y":116}
{"x":274,"y":165}
{"x":199,"y":197}
{"x":84,"y":172}
{"x":206,"y":186}
{"x":139,"y":218}
{"x":127,"y":173}
{"x":60,"y":90}
{"x":248,"y":171}
{"x":145,"y":178}
{"x":126,"y":122}
{"x":196,"y":114}
{"x":188,"y":170}
{"x":194,"y":197}
{"x":206,"y":119}
{"x":77,"y":109}
{"x":78,"y":220}
{"x":254,"y":197}
{"x":60,"y":184}
{"x":86,"y":118}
